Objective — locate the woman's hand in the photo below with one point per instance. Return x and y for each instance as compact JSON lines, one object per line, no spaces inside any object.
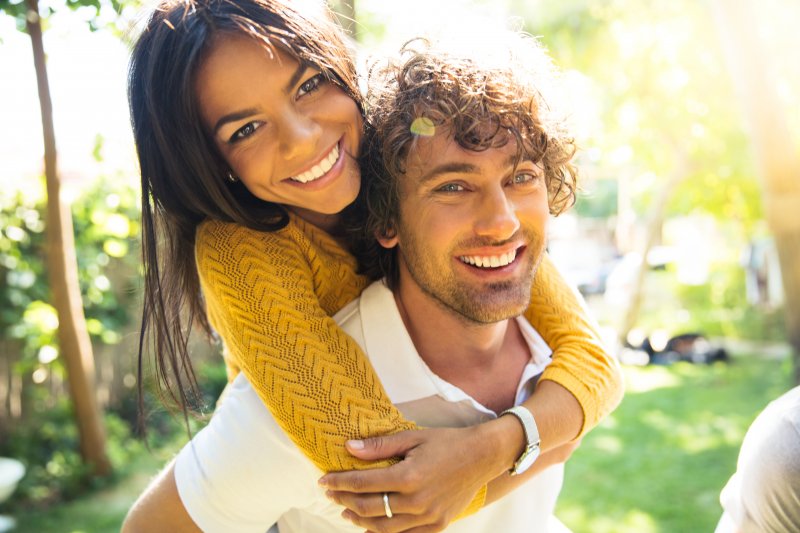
{"x":441,"y":471}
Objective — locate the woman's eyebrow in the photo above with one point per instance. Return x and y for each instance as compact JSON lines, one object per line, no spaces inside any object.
{"x":301,"y":69}
{"x":244,"y":113}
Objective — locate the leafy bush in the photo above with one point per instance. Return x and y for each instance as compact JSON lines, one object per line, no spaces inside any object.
{"x":105,"y":232}
{"x":720,"y":308}
{"x":48,"y":446}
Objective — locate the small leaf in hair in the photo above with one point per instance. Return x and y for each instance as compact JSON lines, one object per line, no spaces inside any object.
{"x":423,"y":127}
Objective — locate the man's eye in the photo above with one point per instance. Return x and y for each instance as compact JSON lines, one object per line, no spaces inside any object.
{"x":451,"y":187}
{"x":311,"y":85}
{"x":525,"y":178}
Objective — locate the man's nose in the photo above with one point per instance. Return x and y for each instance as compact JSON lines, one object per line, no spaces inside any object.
{"x":496,"y":215}
{"x":299,"y":136}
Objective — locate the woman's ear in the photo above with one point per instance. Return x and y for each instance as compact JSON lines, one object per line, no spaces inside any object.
{"x":387,"y":239}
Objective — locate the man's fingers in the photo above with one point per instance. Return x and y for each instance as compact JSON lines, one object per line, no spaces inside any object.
{"x":375,"y":448}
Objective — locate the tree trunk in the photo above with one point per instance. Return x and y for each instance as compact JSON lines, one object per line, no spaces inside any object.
{"x":73,"y":337}
{"x":777,"y":160}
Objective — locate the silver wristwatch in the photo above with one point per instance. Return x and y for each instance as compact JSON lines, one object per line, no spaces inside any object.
{"x":531,"y":451}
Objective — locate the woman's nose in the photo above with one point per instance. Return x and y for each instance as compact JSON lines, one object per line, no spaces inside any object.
{"x":299,"y":136}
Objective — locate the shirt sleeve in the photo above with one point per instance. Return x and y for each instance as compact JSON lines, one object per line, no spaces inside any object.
{"x":269,"y":296}
{"x":581,"y":364}
{"x":241,"y":473}
{"x":769,"y":469}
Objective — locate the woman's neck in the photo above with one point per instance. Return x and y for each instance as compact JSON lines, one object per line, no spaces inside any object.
{"x":331,"y":224}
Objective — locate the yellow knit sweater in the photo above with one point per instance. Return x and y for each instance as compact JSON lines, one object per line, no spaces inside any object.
{"x":270,"y":296}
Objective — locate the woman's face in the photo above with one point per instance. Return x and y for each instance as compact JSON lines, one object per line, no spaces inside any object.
{"x":287,"y":133}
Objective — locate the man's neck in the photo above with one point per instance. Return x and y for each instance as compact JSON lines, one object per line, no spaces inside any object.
{"x":484,"y":360}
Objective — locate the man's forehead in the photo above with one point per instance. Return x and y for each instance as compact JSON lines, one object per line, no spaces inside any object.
{"x":427,"y":153}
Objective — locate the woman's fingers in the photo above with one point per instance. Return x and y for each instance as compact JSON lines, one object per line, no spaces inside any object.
{"x":369,"y":511}
{"x":396,"y":524}
{"x":377,"y":480}
{"x":367,"y":505}
{"x":384,"y":447}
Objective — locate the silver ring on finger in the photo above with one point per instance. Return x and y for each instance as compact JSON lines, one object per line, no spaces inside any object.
{"x":386,"y":506}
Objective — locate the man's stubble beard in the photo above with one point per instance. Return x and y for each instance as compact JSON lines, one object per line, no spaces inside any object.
{"x":489,"y":304}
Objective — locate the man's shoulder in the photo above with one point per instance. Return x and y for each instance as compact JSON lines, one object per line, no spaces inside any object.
{"x":350,"y":317}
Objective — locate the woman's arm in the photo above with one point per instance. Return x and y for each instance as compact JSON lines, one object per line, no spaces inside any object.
{"x":270,"y":297}
{"x":581,"y":364}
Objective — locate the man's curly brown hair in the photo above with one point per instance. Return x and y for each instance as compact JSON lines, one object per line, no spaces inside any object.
{"x":483,"y":101}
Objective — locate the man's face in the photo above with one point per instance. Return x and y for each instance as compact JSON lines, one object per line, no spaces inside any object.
{"x":472,"y":227}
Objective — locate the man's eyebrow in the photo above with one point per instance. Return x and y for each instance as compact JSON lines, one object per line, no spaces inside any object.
{"x":233,"y":117}
{"x":448,"y":168}
{"x":456,"y":167}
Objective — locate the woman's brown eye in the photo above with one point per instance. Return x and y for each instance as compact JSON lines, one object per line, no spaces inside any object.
{"x":312,"y":84}
{"x":244,"y":132}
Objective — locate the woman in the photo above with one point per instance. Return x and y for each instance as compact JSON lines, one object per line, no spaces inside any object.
{"x":244,"y":173}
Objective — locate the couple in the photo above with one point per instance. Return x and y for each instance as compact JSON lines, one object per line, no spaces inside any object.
{"x":462,"y":169}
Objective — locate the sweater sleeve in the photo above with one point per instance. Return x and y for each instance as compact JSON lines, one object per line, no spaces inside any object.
{"x":261,"y":294}
{"x":580,"y":362}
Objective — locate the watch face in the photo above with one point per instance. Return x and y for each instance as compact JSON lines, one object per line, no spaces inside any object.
{"x":527,"y":459}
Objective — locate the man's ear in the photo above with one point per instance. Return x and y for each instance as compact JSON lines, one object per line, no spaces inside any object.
{"x":387,"y":239}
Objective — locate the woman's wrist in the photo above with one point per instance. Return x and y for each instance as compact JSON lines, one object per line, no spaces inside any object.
{"x":558,"y":414}
{"x":504,"y":440}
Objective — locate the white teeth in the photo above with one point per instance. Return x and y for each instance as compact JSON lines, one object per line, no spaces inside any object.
{"x":320,"y":169}
{"x":494,"y":261}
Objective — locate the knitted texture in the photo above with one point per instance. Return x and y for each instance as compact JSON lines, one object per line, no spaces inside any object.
{"x":270,"y":296}
{"x":580,"y":362}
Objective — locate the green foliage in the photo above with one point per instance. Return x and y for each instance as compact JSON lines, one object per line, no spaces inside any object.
{"x":48,"y":446}
{"x":720,"y":308}
{"x":93,"y":9}
{"x":105,"y":233}
{"x":598,"y":199}
{"x":663,"y":100}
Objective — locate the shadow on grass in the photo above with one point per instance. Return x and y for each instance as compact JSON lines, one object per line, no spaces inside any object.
{"x":658,"y":463}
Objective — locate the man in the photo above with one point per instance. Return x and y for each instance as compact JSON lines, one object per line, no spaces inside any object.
{"x":466,"y":172}
{"x":764,"y":493}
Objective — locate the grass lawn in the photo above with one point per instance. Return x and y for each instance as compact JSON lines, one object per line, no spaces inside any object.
{"x":658,"y":463}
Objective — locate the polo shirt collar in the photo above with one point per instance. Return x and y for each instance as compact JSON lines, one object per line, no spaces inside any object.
{"x":404,"y":374}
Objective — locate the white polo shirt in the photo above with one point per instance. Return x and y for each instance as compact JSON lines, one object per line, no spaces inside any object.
{"x":242,"y":473}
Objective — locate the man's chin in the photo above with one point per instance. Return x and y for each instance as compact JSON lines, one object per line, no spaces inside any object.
{"x":486,"y":309}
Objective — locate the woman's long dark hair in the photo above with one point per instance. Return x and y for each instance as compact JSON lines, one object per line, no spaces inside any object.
{"x":184,"y":176}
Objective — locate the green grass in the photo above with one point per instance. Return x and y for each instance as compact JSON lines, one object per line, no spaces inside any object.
{"x":658,"y":463}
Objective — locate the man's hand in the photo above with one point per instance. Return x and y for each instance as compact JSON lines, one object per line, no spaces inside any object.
{"x":441,"y":471}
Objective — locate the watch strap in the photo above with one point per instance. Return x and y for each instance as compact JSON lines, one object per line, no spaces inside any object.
{"x":530,"y":429}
